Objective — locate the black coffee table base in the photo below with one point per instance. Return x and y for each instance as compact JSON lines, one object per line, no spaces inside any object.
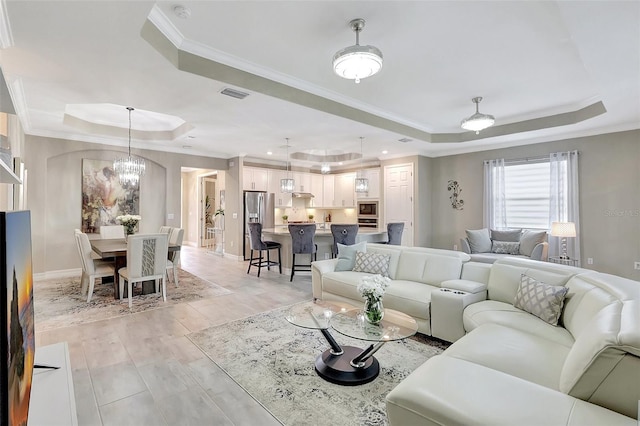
{"x":338,"y":369}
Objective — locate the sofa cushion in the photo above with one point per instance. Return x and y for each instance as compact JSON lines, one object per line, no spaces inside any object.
{"x":409,"y":297}
{"x":511,"y":235}
{"x":392,"y":251}
{"x":540,"y":299}
{"x":344,"y":283}
{"x":493,"y":312}
{"x":479,"y":240}
{"x":373,"y":263}
{"x":530,"y":239}
{"x":347,"y":255}
{"x":505,"y":247}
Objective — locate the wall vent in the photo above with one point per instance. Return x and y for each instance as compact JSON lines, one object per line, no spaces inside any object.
{"x":405,"y":140}
{"x":234,"y":93}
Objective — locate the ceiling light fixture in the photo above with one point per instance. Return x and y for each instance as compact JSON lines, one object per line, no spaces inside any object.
{"x":477,"y":121}
{"x":325,"y":168}
{"x":362,"y":183}
{"x":129,"y":169}
{"x":357,"y":62}
{"x":287,"y":185}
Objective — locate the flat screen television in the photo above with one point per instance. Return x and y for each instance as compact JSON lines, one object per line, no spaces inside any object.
{"x":17,"y":335}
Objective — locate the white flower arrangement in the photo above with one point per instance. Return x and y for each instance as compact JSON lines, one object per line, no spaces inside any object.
{"x":373,"y":287}
{"x":129,"y":219}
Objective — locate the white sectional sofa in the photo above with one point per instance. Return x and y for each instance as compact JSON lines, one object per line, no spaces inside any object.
{"x":507,"y":366}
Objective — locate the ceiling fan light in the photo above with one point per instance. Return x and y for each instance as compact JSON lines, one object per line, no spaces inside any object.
{"x":477,"y":121}
{"x":357,"y":62}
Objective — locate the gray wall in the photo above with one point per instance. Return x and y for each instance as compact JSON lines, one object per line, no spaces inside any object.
{"x":609,"y":172}
{"x":55,"y":193}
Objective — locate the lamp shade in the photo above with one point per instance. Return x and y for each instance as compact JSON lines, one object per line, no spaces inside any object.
{"x":563,"y":229}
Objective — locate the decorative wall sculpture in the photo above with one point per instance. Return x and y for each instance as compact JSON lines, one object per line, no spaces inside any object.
{"x":103,"y":196}
{"x":456,"y":203}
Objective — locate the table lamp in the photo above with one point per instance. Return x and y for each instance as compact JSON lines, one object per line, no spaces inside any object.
{"x":563,"y":230}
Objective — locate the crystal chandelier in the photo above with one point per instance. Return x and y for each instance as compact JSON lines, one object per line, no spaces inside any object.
{"x":357,"y":62}
{"x":129,"y":169}
{"x":477,"y":121}
{"x":362,"y":183}
{"x":325,"y":168}
{"x":287,"y":185}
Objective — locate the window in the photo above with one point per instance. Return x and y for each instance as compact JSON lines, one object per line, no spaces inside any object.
{"x":527,"y":194}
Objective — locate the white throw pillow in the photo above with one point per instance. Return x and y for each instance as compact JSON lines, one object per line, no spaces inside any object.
{"x":347,"y":255}
{"x":479,"y":240}
{"x":530,"y":239}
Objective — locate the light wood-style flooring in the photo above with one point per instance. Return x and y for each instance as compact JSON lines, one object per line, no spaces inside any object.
{"x":141,"y":369}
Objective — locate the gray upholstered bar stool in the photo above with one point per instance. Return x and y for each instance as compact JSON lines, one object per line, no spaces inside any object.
{"x":302,"y":242}
{"x":256,"y":243}
{"x":343,"y":234}
{"x":394,"y":232}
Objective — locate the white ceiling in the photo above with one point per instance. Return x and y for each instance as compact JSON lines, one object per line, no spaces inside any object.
{"x":530,"y":60}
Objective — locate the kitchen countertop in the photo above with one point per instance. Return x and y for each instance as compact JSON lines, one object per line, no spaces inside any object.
{"x":326,"y":231}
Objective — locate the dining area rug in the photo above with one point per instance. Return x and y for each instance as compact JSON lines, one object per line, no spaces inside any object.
{"x":273,"y":361}
{"x":59,"y":303}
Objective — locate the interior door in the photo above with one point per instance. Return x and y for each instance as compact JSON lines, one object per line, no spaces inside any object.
{"x":398,"y":198}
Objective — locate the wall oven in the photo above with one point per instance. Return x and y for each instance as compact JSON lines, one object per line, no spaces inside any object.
{"x":367,"y":209}
{"x":364,"y":222}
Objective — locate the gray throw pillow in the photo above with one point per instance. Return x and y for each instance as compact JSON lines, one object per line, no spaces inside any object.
{"x":347,"y":255}
{"x":512,"y":235}
{"x":505,"y":247}
{"x":540,"y":299}
{"x":479,"y":240}
{"x":530,"y":239}
{"x":373,"y":263}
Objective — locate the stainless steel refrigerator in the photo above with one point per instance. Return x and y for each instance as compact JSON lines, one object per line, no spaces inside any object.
{"x":258,"y":207}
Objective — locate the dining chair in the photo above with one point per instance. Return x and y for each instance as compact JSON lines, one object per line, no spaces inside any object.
{"x":146,"y":261}
{"x":343,"y":234}
{"x":111,"y":232}
{"x":94,"y":255}
{"x":394,"y":233}
{"x":91,"y":268}
{"x":176,"y":236}
{"x":165,"y":230}
{"x":302,"y":242}
{"x":257,"y":243}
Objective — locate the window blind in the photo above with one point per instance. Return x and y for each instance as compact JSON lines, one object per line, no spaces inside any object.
{"x":527,"y":194}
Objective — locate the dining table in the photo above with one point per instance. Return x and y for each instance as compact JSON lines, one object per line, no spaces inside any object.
{"x":117,"y":249}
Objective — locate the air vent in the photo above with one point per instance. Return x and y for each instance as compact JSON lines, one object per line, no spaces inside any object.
{"x":405,"y":140}
{"x":234,"y":93}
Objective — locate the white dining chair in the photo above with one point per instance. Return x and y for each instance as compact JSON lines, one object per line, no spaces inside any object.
{"x":165,"y":229}
{"x":112,"y":232}
{"x":146,"y":261}
{"x":175,"y":239}
{"x":91,"y":268}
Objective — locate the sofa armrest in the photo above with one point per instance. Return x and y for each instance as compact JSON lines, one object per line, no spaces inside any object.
{"x":464,"y":245}
{"x":540,"y":251}
{"x":319,"y":268}
{"x":451,"y":391}
{"x":448,"y":304}
{"x":466,"y":286}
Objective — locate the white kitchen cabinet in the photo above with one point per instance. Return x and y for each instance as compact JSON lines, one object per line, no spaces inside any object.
{"x":254,"y":179}
{"x":344,"y":190}
{"x":316,"y":188}
{"x":374,"y":184}
{"x":281,"y":199}
{"x":328,"y":194}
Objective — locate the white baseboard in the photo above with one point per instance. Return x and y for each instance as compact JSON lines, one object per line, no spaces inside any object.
{"x":62,"y":273}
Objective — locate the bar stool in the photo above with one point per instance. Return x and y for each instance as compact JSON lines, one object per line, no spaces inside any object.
{"x":343,"y":234}
{"x":256,"y":243}
{"x":394,"y":232}
{"x":302,"y":242}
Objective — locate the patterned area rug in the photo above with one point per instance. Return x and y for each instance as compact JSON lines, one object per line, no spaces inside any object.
{"x":274,"y":361}
{"x":59,"y":303}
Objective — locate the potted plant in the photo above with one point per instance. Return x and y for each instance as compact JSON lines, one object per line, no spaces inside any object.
{"x":220,"y":212}
{"x":285,"y":218}
{"x":310,"y":217}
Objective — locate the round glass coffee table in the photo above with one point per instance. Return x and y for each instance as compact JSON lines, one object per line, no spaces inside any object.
{"x":349,"y":365}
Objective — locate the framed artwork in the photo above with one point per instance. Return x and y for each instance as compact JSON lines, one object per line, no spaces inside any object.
{"x":103,"y":196}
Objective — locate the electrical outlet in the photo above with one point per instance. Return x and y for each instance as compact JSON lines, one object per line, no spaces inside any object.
{"x":170,"y":216}
{"x":590,"y":261}
{"x":235,"y":215}
{"x":636,"y":265}
{"x":455,"y":247}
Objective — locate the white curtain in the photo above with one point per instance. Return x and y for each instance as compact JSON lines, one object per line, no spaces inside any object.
{"x":495,"y":206}
{"x":564,"y":205}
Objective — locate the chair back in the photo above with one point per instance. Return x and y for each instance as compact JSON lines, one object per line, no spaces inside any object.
{"x":343,"y":234}
{"x":255,"y":236}
{"x":84,"y":249}
{"x":302,"y":238}
{"x":175,"y":239}
{"x":165,"y":230}
{"x":394,"y":232}
{"x":112,"y":232}
{"x":147,"y":255}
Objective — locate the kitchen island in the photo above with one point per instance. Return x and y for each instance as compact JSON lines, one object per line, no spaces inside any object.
{"x":323,"y":239}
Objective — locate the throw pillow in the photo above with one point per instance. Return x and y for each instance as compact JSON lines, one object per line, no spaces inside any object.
{"x":540,"y":299}
{"x":512,"y":235}
{"x":530,"y":239}
{"x":347,"y":255}
{"x":373,"y":263}
{"x":505,"y":247}
{"x":479,"y":240}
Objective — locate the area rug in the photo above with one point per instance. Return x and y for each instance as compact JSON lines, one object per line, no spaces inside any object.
{"x":274,"y":362}
{"x":59,"y":302}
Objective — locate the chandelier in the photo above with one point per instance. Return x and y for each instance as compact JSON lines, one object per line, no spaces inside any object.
{"x":287,"y":185}
{"x":357,"y":62}
{"x":362,"y":183}
{"x":477,"y":121}
{"x":129,"y":169}
{"x":325,"y":168}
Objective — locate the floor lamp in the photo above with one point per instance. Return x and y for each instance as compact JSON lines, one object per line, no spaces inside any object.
{"x":563,"y":230}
